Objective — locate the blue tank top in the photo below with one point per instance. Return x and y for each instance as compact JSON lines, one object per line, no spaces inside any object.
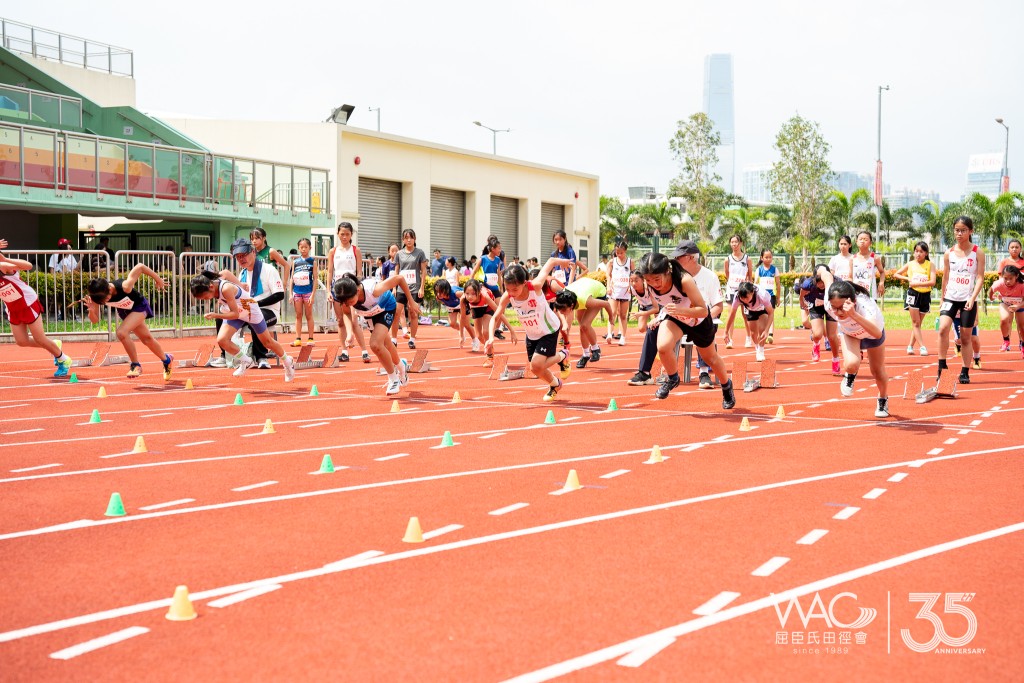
{"x":302,"y":275}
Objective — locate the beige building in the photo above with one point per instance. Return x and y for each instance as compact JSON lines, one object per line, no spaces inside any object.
{"x":453,"y":198}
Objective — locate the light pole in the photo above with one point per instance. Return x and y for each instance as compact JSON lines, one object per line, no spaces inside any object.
{"x":494,"y":132}
{"x":878,"y":170}
{"x":1005,"y":182}
{"x":376,"y":109}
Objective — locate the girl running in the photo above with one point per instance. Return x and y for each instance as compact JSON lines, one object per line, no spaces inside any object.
{"x":1009,"y":290}
{"x":237,"y":310}
{"x":759,"y":307}
{"x":412,"y":265}
{"x":738,"y":269}
{"x":563,"y":250}
{"x":25,"y":313}
{"x":373,"y":300}
{"x":768,"y":280}
{"x":480,"y":306}
{"x":540,"y":324}
{"x":1015,"y":260}
{"x":962,"y":281}
{"x":812,"y":300}
{"x":134,"y":310}
{"x":451,"y":298}
{"x":863,"y":329}
{"x":867,"y":267}
{"x":345,"y":257}
{"x":619,"y":268}
{"x":586,"y":296}
{"x":683,"y":312}
{"x":305,"y":278}
{"x":920,"y":278}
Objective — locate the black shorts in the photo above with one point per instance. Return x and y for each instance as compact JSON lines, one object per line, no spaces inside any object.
{"x":478,"y":311}
{"x":401,"y":298}
{"x":754,"y":315}
{"x":819,"y":313}
{"x":385,"y":318}
{"x":951,"y":309}
{"x":702,"y":335}
{"x":775,"y":301}
{"x":546,"y":346}
{"x":922,"y":301}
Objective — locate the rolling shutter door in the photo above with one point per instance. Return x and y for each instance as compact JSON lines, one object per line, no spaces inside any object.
{"x":552,"y":219}
{"x":447,"y":223}
{"x":380,"y":215}
{"x":505,"y":224}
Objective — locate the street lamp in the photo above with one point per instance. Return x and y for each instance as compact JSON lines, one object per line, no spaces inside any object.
{"x":878,"y":169}
{"x":495,"y":132}
{"x":376,"y":109}
{"x":1005,"y":183}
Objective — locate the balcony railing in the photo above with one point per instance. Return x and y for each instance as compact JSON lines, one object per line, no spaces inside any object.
{"x":66,"y":49}
{"x":39,"y":106}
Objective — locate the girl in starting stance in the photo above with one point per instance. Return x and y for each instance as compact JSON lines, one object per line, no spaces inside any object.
{"x":757,"y":305}
{"x":450,"y":296}
{"x":1009,"y":289}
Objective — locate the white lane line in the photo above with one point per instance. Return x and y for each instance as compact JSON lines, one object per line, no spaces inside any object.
{"x":97,"y":643}
{"x":508,"y":508}
{"x":211,"y":407}
{"x":986,"y":414}
{"x":250,"y":487}
{"x":170,"y":503}
{"x":23,"y":431}
{"x":315,"y":424}
{"x":964,"y":432}
{"x":493,"y":436}
{"x":439,"y":532}
{"x":950,"y":441}
{"x":354,"y":561}
{"x":244,"y":595}
{"x":692,"y":447}
{"x":612,"y":475}
{"x":795,"y":412}
{"x":1003,"y":403}
{"x":155,"y":415}
{"x":975,"y":423}
{"x":874,"y":493}
{"x":898,"y":477}
{"x":724,"y":437}
{"x":480,"y":398}
{"x":632,"y":405}
{"x":916,"y":463}
{"x":770,"y":567}
{"x":716,"y":603}
{"x":995,"y":409}
{"x":812,"y":537}
{"x":193,"y":443}
{"x":570,"y":419}
{"x":391,"y":457}
{"x":846,"y":512}
{"x":639,"y":656}
{"x":814,"y":405}
{"x":22,"y":405}
{"x":935,"y":451}
{"x":38,"y":467}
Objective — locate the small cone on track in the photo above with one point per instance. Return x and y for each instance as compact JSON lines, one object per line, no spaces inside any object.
{"x":780,"y":413}
{"x":181,"y":606}
{"x":456,"y":398}
{"x":95,"y":417}
{"x":238,"y":400}
{"x":115,"y":508}
{"x":189,"y":385}
{"x":74,"y":378}
{"x":550,"y":419}
{"x":140,"y":446}
{"x":656,"y":456}
{"x":572,"y":482}
{"x":612,"y":405}
{"x":102,"y":393}
{"x":327,"y":465}
{"x":314,"y":391}
{"x":413,"y":532}
{"x":447,"y":440}
{"x":268,"y":427}
{"x":745,"y":425}
{"x":394,"y":407}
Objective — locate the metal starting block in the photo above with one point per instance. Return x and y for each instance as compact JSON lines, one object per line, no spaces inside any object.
{"x":202,"y":357}
{"x":503,"y":372}
{"x":420,"y":362}
{"x":115,"y":360}
{"x":303,"y":360}
{"x":945,"y":387}
{"x":99,"y":353}
{"x":765,"y":378}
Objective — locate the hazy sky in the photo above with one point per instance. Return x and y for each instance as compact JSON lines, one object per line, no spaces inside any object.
{"x":592,"y":86}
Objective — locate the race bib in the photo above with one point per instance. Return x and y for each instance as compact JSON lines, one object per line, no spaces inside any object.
{"x":767,"y":282}
{"x":819,"y":302}
{"x":9,"y":293}
{"x":491,"y":279}
{"x":946,"y":305}
{"x":918,"y":279}
{"x":301,"y":278}
{"x":1012,"y":301}
{"x":369,"y":313}
{"x":124,"y":304}
{"x":409,"y":276}
{"x":910,"y":299}
{"x":622,"y":282}
{"x":735,"y":281}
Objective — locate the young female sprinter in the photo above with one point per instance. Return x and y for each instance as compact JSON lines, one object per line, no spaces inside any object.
{"x":812,"y":300}
{"x":25,"y":313}
{"x":479,"y":305}
{"x":738,"y":269}
{"x":451,"y":298}
{"x":373,"y":300}
{"x":759,"y":308}
{"x":305,"y":279}
{"x":134,"y":310}
{"x":962,"y":281}
{"x":586,"y":296}
{"x":237,"y":311}
{"x":540,"y":324}
{"x":345,"y":257}
{"x":683,"y":312}
{"x":863,"y":329}
{"x":1005,"y":318}
{"x":1009,"y":289}
{"x":768,"y":280}
{"x":618,"y":269}
{"x":920,"y":278}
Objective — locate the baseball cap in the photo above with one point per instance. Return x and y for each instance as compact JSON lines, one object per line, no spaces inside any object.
{"x":685,"y":247}
{"x":63,"y":242}
{"x":241,"y":246}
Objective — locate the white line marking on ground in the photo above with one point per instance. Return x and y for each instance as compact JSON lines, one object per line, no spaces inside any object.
{"x":612,"y":475}
{"x":244,"y":595}
{"x":632,"y":405}
{"x":21,"y":405}
{"x":170,"y":503}
{"x":508,"y":508}
{"x":963,"y":432}
{"x":23,"y":431}
{"x":1003,"y":403}
{"x":986,"y":414}
{"x":351,"y":562}
{"x":692,"y":447}
{"x":846,"y":512}
{"x":950,"y":441}
{"x":440,"y":532}
{"x":795,"y":412}
{"x":917,"y":463}
{"x":639,"y":656}
{"x":101,"y":642}
{"x":935,"y":451}
{"x":724,"y":437}
{"x":480,"y":398}
{"x":194,"y":443}
{"x":38,"y":467}
{"x":975,"y":423}
{"x":155,"y":415}
{"x":898,"y":477}
{"x":493,"y":436}
{"x":770,"y":567}
{"x":570,"y":419}
{"x":716,"y":603}
{"x":210,"y":407}
{"x":814,"y":405}
{"x":315,"y":424}
{"x":250,"y":487}
{"x":391,"y":457}
{"x":874,"y":493}
{"x":812,"y":537}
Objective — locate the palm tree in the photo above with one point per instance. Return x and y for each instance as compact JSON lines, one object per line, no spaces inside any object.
{"x":1008,"y":217}
{"x":660,"y":219}
{"x":618,"y":221}
{"x":742,"y":221}
{"x":845,"y":214}
{"x":930,"y":214}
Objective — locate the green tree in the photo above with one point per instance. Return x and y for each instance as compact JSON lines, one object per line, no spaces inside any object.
{"x":694,"y":147}
{"x":742,"y":221}
{"x":844,"y":215}
{"x":1008,"y":218}
{"x":660,"y":219}
{"x":802,"y":174}
{"x":619,"y":221}
{"x":930,"y":214}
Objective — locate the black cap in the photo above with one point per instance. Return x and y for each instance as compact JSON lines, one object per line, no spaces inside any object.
{"x":241,"y":246}
{"x":685,"y":247}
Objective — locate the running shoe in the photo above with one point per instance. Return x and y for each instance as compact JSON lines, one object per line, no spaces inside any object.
{"x":60,"y":347}
{"x":965,"y":376}
{"x":924,"y":351}
{"x":244,"y":363}
{"x":883,"y":408}
{"x":406,"y":333}
{"x":1005,"y":346}
{"x":705,"y":381}
{"x":289,"y":368}
{"x":608,"y":337}
{"x":393,"y":387}
{"x":977,"y":363}
{"x":63,"y":368}
{"x":759,"y":353}
{"x":582,"y":362}
{"x":816,"y":352}
{"x":310,"y":342}
{"x":476,"y":345}
{"x":564,"y":366}
{"x":168,"y":359}
{"x":728,"y":342}
{"x":263,"y":364}
{"x":366,"y":356}
{"x":640,"y":379}
{"x":747,"y":343}
{"x":668,"y":386}
{"x":297,"y":343}
{"x":498,"y":334}
{"x":553,"y":391}
{"x":771,"y":339}
{"x":910,"y":350}
{"x":622,"y":341}
{"x":828,"y":344}
{"x":403,"y":372}
{"x":835,"y":366}
{"x":134,"y":370}
{"x":412,"y":343}
{"x":728,"y":396}
{"x":218,"y":362}
{"x":595,"y":354}
{"x":489,"y":361}
{"x":846,"y":386}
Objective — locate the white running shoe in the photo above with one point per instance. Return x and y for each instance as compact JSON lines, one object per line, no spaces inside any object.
{"x":622,"y":341}
{"x":394,"y":386}
{"x":289,"y":368}
{"x":910,"y":350}
{"x":883,"y":408}
{"x":476,"y":345}
{"x":748,"y":343}
{"x":218,"y":362}
{"x":244,"y":363}
{"x":759,"y":353}
{"x":924,"y":351}
{"x":403,"y":372}
{"x":846,"y":389}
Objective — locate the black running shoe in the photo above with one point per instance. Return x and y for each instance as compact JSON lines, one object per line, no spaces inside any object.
{"x":582,"y":362}
{"x":728,"y":396}
{"x":705,"y":381}
{"x":498,"y":334}
{"x":965,"y":376}
{"x":595,"y":355}
{"x":640,"y":379}
{"x":665,"y":388}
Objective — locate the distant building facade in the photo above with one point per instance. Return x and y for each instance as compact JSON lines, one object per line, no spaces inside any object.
{"x":718,"y":105}
{"x":984,"y":173}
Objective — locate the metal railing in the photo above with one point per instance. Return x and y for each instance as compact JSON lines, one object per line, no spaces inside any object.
{"x":49,"y":107}
{"x":66,"y":49}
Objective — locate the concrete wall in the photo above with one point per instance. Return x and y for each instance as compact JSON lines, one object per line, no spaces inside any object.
{"x":106,"y":90}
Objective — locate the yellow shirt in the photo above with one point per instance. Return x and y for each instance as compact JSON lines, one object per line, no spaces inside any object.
{"x":920,"y":273}
{"x":584,"y":288}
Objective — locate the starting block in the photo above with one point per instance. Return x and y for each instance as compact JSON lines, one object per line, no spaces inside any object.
{"x":421,"y":364}
{"x":945,"y":387}
{"x":202,"y":358}
{"x":684,"y":366}
{"x":502,"y":372}
{"x":303,"y":361}
{"x":99,"y":353}
{"x":766,"y":377}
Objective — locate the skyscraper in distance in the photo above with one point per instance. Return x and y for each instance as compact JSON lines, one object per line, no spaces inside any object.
{"x":718,"y":105}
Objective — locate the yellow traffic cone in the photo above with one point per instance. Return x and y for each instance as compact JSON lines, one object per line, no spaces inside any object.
{"x":656,"y":456}
{"x":413,"y":532}
{"x":268,"y":427}
{"x":572,"y":482}
{"x":745,"y":425}
{"x":456,"y":398}
{"x":102,"y":393}
{"x":780,"y":413}
{"x":394,"y":407}
{"x":140,"y":446}
{"x":189,"y":385}
{"x":181,"y":606}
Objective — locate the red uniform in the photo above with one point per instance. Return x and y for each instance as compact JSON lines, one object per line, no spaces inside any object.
{"x":20,"y":300}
